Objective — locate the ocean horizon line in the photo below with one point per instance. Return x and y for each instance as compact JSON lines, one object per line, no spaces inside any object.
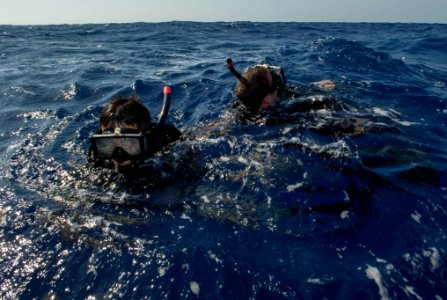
{"x":222,"y":21}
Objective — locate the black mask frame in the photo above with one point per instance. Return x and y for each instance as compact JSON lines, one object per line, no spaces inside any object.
{"x":120,"y":144}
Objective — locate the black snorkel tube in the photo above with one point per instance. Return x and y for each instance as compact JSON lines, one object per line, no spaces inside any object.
{"x":236,"y":74}
{"x":166,"y":104}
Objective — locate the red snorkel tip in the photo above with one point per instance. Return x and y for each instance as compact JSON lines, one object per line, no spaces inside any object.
{"x":167,"y":90}
{"x":166,"y":103}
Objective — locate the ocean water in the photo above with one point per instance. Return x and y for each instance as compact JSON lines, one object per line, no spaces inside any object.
{"x":338,"y":194}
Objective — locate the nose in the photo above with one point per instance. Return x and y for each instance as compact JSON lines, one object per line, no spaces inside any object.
{"x":120,"y":157}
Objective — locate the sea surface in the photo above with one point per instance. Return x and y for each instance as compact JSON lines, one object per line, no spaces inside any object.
{"x":340,"y":195}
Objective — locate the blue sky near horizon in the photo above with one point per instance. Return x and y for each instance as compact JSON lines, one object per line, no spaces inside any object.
{"x":29,"y":12}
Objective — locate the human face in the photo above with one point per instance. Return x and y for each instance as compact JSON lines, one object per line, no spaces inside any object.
{"x":127,"y":126}
{"x":269,"y":99}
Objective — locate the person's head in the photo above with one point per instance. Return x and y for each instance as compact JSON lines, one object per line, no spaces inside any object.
{"x":257,"y":91}
{"x":125,"y":124}
{"x":125,"y":112}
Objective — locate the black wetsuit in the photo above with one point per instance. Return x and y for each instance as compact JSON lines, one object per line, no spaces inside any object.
{"x":163,"y":135}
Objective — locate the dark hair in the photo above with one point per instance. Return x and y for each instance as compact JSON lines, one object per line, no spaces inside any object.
{"x":126,"y":111}
{"x":252,"y":91}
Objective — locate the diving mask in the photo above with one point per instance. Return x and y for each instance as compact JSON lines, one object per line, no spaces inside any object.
{"x":278,"y":77}
{"x":120,"y":144}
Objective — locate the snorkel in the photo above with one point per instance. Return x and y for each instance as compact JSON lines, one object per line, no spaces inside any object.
{"x":166,"y":104}
{"x":233,"y":71}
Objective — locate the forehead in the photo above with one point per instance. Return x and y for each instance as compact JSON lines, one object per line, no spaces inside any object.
{"x":119,"y":125}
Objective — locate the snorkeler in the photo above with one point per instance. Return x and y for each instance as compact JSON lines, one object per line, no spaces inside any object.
{"x":261,"y":86}
{"x":127,"y":136}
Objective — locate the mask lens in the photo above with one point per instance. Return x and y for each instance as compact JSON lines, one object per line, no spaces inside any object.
{"x":130,"y":145}
{"x":106,"y":144}
{"x":105,"y":147}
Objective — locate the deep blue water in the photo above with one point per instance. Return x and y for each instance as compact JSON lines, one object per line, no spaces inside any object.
{"x":287,"y":208}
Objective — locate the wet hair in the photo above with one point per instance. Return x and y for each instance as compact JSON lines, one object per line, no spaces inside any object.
{"x":126,"y":111}
{"x":252,"y":91}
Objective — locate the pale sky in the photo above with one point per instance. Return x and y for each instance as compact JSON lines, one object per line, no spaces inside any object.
{"x":26,"y":12}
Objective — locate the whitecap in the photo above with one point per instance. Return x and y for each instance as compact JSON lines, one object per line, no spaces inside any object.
{"x":374,"y":274}
{"x":292,"y":187}
{"x":434,"y":256}
{"x":195,"y":288}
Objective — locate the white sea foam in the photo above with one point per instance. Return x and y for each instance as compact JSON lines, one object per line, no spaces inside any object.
{"x":392,"y":114}
{"x":409,"y":290}
{"x":292,"y":187}
{"x":315,"y":281}
{"x":346,"y":199}
{"x":70,"y":93}
{"x":434,"y":256}
{"x":344,"y":214}
{"x":287,"y":130}
{"x":416,"y":217}
{"x":224,"y":159}
{"x":215,"y":257}
{"x":374,"y":274}
{"x":195,"y":288}
{"x":323,"y":113}
{"x":205,"y":198}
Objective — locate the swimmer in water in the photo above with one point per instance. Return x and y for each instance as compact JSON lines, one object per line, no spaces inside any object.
{"x":126,"y":134}
{"x":261,"y":86}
